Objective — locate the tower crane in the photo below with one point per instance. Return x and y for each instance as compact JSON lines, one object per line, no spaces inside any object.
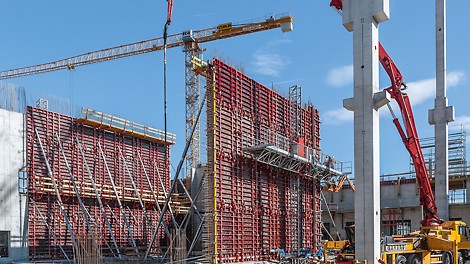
{"x":190,"y":40}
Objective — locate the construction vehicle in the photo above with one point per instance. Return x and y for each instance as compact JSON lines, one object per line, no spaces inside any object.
{"x":438,"y":241}
{"x":334,"y":184}
{"x":341,"y":251}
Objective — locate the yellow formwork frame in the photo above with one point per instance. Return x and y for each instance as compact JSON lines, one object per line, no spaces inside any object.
{"x":214,"y":165}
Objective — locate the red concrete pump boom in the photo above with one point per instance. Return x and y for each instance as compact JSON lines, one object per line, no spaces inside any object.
{"x":409,"y":135}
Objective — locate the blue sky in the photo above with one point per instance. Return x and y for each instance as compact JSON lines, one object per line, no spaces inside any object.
{"x":317,"y":55}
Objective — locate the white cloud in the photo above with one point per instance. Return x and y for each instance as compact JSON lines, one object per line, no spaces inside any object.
{"x":278,"y":42}
{"x":455,"y":78}
{"x":459,"y":122}
{"x":422,"y":90}
{"x":268,"y":61}
{"x":337,"y":116}
{"x":340,"y":76}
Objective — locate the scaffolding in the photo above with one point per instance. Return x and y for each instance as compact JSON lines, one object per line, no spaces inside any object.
{"x":459,"y":171}
{"x":192,"y":50}
{"x":457,"y":156}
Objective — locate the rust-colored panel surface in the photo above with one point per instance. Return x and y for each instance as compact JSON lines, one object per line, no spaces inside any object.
{"x":257,"y":206}
{"x":47,"y":224}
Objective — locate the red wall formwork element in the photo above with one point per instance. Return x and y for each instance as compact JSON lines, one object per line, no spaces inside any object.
{"x":257,"y":205}
{"x":47,"y":226}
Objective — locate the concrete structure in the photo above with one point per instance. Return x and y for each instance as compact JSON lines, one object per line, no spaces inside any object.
{"x":13,"y":217}
{"x":441,"y":114}
{"x":400,"y":209}
{"x":467,"y":185}
{"x":363,"y":17}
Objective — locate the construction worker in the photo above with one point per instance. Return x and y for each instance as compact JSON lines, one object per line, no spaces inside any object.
{"x":327,"y":161}
{"x":333,"y":162}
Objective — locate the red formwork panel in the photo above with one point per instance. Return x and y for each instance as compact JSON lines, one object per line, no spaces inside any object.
{"x":47,"y":228}
{"x":256,"y":204}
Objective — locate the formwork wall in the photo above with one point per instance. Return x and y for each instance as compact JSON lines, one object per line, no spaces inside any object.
{"x":47,"y":225}
{"x":254,"y":208}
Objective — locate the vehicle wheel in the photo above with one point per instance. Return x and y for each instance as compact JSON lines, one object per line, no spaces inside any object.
{"x":447,"y":258}
{"x":460,"y":258}
{"x":414,"y":259}
{"x":400,"y":259}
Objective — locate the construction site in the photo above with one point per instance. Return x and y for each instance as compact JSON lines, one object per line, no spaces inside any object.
{"x":249,"y":179}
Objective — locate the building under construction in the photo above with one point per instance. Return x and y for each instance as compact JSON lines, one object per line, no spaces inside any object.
{"x":401,"y":212}
{"x":95,"y":186}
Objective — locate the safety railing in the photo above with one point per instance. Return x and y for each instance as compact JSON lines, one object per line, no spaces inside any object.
{"x":313,"y":155}
{"x":122,"y":125}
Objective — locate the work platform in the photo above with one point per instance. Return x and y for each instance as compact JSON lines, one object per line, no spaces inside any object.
{"x":112,"y":123}
{"x":272,"y":155}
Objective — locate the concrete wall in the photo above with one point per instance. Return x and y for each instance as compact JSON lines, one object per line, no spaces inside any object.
{"x":460,"y":211}
{"x":399,"y":195}
{"x":404,"y":196}
{"x":13,"y":211}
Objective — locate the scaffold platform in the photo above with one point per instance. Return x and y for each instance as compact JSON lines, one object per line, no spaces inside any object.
{"x":116,"y":124}
{"x":274,"y":156}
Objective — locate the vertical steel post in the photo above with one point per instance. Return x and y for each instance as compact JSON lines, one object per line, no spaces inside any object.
{"x":214,"y":164}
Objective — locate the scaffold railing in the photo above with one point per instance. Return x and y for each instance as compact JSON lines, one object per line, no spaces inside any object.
{"x":314,"y":156}
{"x":454,"y":173}
{"x":117,"y":124}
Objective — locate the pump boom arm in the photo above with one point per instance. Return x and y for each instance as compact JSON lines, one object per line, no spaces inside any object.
{"x":409,"y":135}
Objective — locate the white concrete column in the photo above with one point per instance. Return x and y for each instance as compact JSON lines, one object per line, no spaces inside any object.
{"x":441,"y":115}
{"x":467,"y":196}
{"x":362,"y":17}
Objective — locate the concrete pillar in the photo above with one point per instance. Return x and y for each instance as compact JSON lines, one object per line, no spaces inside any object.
{"x":467,"y":196}
{"x":441,"y":115}
{"x":362,"y":17}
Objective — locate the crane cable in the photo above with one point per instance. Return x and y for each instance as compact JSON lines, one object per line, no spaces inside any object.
{"x":165,"y":37}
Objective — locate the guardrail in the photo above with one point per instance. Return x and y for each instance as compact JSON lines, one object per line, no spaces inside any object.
{"x":115,"y":123}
